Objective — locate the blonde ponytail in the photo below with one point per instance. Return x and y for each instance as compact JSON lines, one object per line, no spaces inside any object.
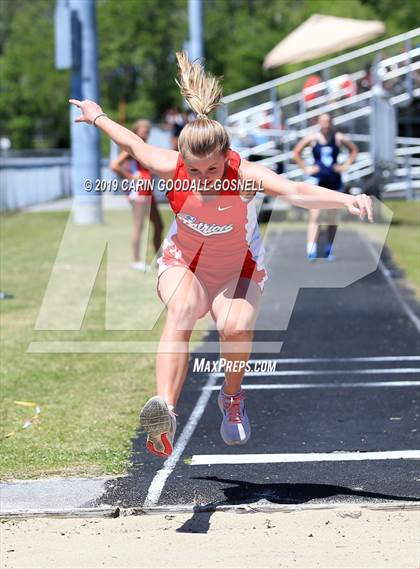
{"x":203,"y":92}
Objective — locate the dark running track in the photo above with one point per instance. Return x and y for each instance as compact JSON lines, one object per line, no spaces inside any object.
{"x":363,"y":320}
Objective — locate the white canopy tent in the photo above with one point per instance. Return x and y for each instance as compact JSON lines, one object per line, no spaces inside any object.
{"x":321,"y":35}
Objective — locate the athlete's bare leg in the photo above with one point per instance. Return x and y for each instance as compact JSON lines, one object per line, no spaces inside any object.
{"x":157,"y":225}
{"x":139,"y":210}
{"x":332,"y":215}
{"x":186,"y":301}
{"x":235,"y":310}
{"x":313,"y":228}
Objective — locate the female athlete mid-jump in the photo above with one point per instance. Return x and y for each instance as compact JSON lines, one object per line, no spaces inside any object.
{"x":212,"y":258}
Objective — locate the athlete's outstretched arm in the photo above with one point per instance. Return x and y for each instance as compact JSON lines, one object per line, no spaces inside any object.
{"x":305,"y":195}
{"x":159,"y":160}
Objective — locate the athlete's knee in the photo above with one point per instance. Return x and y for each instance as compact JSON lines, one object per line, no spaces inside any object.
{"x":181,"y":311}
{"x":234,"y":331}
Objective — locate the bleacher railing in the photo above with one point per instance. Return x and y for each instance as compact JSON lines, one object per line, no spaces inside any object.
{"x":280,"y":112}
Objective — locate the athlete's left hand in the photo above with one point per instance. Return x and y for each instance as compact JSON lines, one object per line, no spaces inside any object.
{"x":89,"y":109}
{"x":360,"y":205}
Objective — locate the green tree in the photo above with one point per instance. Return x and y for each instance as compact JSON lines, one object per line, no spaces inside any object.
{"x":137,"y":43}
{"x":32,"y":94}
{"x":240,"y":33}
{"x":398,"y":17}
{"x":137,"y":40}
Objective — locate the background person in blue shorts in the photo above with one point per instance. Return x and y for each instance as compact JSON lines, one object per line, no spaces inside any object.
{"x":325,"y":172}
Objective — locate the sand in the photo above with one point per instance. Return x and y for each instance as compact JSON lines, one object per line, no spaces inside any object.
{"x":348,"y":537}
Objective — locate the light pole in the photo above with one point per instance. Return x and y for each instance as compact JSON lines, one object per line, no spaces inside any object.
{"x":76,"y":48}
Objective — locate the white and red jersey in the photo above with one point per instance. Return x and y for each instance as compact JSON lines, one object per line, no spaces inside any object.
{"x":141,"y":191}
{"x":218,"y":237}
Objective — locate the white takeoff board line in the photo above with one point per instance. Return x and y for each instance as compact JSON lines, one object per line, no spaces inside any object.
{"x":209,"y":459}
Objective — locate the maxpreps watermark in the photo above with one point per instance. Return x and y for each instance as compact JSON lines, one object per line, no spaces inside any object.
{"x":202,"y":365}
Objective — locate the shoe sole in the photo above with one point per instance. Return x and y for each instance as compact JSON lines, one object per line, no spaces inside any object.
{"x":156,"y":421}
{"x":234,"y":443}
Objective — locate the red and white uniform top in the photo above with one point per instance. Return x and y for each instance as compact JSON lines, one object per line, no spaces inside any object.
{"x":218,"y":238}
{"x":146,"y":175}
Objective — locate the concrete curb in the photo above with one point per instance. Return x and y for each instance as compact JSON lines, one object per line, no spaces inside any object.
{"x":55,"y":495}
{"x":352,"y":510}
{"x":100,"y":512}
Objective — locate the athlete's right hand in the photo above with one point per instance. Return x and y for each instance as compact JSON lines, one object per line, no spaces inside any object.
{"x":89,"y":109}
{"x":311,"y":170}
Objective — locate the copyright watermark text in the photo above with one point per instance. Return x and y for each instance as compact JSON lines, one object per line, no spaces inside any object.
{"x":160,"y":185}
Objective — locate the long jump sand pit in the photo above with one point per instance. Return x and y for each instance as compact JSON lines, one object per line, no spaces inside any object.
{"x":338,"y":538}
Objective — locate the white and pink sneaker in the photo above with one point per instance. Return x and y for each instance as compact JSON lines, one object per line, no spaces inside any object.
{"x":235,"y":428}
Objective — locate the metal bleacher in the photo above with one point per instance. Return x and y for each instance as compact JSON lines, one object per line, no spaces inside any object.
{"x":267,"y":120}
